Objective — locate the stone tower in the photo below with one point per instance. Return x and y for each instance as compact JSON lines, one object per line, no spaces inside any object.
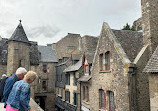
{"x":150,"y":23}
{"x":18,"y":50}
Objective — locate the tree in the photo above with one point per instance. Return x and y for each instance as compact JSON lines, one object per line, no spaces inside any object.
{"x":128,"y":27}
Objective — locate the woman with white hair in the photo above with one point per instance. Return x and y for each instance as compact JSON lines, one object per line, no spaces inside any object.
{"x":19,"y":96}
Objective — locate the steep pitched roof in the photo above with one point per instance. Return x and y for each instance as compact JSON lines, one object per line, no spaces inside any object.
{"x":19,"y":35}
{"x":152,"y":65}
{"x":131,"y":42}
{"x":89,"y":56}
{"x":74,"y":67}
{"x":47,"y":54}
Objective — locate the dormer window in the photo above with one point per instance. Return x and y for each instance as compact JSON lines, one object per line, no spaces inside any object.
{"x":86,"y":68}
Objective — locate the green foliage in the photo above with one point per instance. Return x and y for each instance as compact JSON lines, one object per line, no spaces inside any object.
{"x":128,"y":27}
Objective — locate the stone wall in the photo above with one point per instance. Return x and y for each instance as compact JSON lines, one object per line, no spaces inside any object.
{"x":142,"y":99}
{"x":3,"y":70}
{"x":115,"y":79}
{"x":149,"y":23}
{"x":49,"y":78}
{"x":153,"y":87}
{"x":18,"y":53}
{"x":138,"y":24}
{"x":67,"y":44}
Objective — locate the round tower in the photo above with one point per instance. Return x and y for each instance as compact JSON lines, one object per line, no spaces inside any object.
{"x":18,"y":50}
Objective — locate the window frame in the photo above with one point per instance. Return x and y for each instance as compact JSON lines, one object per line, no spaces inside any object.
{"x":111,"y":107}
{"x":102,"y":99}
{"x":107,"y":60}
{"x":74,"y":79}
{"x":87,"y":93}
{"x":44,"y":68}
{"x":75,"y":96}
{"x":44,"y":89}
{"x":86,"y":68}
{"x":101,"y":64}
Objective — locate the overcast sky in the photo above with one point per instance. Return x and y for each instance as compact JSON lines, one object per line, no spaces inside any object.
{"x":47,"y":21}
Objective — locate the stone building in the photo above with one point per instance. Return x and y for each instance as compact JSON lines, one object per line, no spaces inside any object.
{"x":110,"y":88}
{"x":68,"y":98}
{"x":124,"y":71}
{"x":151,"y":70}
{"x":18,"y":51}
{"x":68,"y":53}
{"x":138,"y":24}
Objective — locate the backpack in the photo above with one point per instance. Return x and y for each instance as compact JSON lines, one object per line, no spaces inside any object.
{"x":2,"y":84}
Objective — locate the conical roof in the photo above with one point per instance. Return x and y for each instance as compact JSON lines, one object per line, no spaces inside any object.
{"x":19,"y":34}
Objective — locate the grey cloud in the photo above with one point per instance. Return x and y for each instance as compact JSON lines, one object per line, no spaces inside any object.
{"x":45,"y":31}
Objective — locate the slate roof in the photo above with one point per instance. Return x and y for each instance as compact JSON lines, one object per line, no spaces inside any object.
{"x":19,"y":35}
{"x":152,"y":65}
{"x":74,"y":67}
{"x":89,"y":56}
{"x":131,"y":42}
{"x":85,"y":78}
{"x":47,"y":54}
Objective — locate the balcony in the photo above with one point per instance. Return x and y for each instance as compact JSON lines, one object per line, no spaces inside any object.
{"x":65,"y":105}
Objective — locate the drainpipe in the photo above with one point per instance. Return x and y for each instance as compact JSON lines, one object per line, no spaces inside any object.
{"x":80,"y":96}
{"x":132,"y":72}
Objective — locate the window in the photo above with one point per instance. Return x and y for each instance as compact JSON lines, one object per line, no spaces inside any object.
{"x":107,"y":60}
{"x":65,"y":59}
{"x":67,"y":79}
{"x":44,"y":68}
{"x":67,"y":96}
{"x":86,"y":68}
{"x":60,"y":60}
{"x":75,"y":80}
{"x":104,"y":61}
{"x":20,"y":64}
{"x":111,"y":101}
{"x":102,"y":99}
{"x":101,"y":62}
{"x":87,"y":93}
{"x":75,"y":98}
{"x":83,"y":92}
{"x":44,"y":86}
{"x":61,"y":92}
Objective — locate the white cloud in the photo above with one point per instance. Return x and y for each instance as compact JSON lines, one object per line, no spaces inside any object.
{"x":45,"y":18}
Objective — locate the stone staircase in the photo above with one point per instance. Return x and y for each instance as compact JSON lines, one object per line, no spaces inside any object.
{"x":33,"y":105}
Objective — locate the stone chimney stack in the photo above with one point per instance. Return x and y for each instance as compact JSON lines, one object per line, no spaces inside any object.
{"x":150,"y":23}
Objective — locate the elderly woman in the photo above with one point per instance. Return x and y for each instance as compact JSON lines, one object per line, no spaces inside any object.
{"x":19,"y":97}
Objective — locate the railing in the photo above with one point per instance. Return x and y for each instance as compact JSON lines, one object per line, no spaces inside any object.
{"x":65,"y":105}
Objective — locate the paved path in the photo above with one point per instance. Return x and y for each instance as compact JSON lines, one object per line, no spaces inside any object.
{"x":33,"y":105}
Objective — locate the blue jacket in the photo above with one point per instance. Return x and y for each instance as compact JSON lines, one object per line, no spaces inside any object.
{"x":19,"y":97}
{"x":8,"y":86}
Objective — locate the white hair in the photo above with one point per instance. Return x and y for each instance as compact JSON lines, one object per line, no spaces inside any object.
{"x":21,"y":70}
{"x":4,"y":75}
